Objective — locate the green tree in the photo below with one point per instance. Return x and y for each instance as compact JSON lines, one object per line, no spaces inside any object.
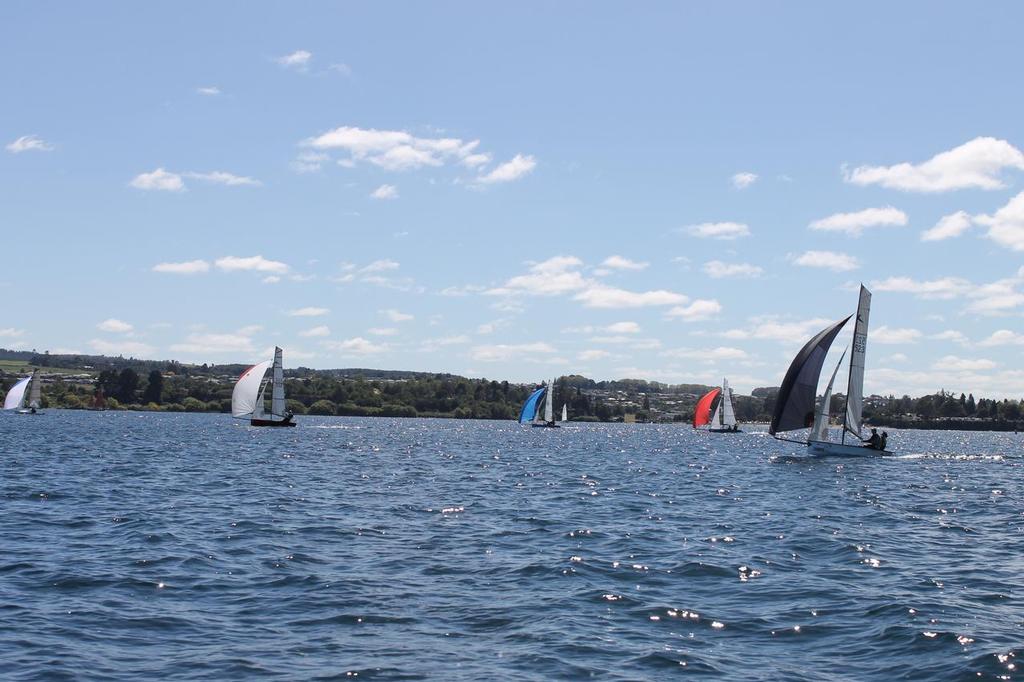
{"x":127,"y":384}
{"x":154,"y":388}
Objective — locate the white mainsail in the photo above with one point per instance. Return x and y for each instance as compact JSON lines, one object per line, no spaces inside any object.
{"x":820,"y":429}
{"x":247,"y":396}
{"x":565,"y":412}
{"x":16,"y":396}
{"x":277,"y":404}
{"x":728,"y":415}
{"x":549,"y":399}
{"x":35,"y":392}
{"x":855,"y":386}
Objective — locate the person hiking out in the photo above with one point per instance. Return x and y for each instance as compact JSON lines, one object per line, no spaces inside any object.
{"x":883,"y":440}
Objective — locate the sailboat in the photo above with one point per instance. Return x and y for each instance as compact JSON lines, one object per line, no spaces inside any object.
{"x":248,"y":400}
{"x":531,"y":412}
{"x":26,"y":395}
{"x":724,"y":418}
{"x":565,"y":412}
{"x":795,"y":405}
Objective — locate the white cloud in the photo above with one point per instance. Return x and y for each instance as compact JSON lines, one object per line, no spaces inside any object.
{"x":1006,"y":227}
{"x":385,"y":192}
{"x":1003,"y":337}
{"x":271,"y":279}
{"x":114,"y":325}
{"x":890,"y":335}
{"x":773,"y":329}
{"x":513,"y":169}
{"x":975,"y":164}
{"x":623,"y":328}
{"x":382,"y":265}
{"x":719,"y":270}
{"x":341,"y":68}
{"x":11,"y":332}
{"x":554,"y":276}
{"x":856,"y":222}
{"x":500,"y":352}
{"x":382,"y":331}
{"x":830,"y":260}
{"x":129,"y":348}
{"x":309,"y":311}
{"x":707,"y":354}
{"x":953,"y":363}
{"x":190,"y":267}
{"x":744,"y":180}
{"x":322,"y":330}
{"x":29,"y":143}
{"x":252,"y":263}
{"x":950,"y":335}
{"x":201,"y":343}
{"x":394,"y":150}
{"x":224,"y":178}
{"x":943,"y":288}
{"x":431,"y":345}
{"x":355,"y":346}
{"x":726,"y":231}
{"x":621,"y":263}
{"x":600,"y":296}
{"x":160,"y":180}
{"x":309,"y":161}
{"x":895,"y":357}
{"x":396,"y":316}
{"x":700,"y":309}
{"x":949,"y":226}
{"x":211,"y":90}
{"x":298,"y":59}
{"x":593,"y":354}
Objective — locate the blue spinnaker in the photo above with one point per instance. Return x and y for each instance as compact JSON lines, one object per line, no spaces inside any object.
{"x":530,"y":406}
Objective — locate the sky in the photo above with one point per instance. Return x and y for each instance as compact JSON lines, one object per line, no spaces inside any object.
{"x":674,"y":191}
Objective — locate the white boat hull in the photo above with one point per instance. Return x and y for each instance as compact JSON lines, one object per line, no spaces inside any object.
{"x":828,"y":448}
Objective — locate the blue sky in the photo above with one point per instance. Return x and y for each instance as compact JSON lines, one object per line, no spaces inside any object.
{"x":671,"y":191}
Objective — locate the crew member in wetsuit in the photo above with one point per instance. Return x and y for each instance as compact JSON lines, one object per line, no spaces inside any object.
{"x":883,"y":440}
{"x":874,"y":440}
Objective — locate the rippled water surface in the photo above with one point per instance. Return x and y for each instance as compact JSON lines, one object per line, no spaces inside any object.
{"x":191,"y":546}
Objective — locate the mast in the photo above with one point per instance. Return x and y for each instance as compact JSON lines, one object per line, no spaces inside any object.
{"x":277,"y":403}
{"x":855,"y":383}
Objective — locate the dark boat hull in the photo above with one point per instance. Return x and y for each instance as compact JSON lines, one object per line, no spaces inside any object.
{"x":724,"y":431}
{"x":287,"y":421}
{"x":542,"y":425}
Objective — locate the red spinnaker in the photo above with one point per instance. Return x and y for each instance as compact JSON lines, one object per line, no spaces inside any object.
{"x":702,"y":415}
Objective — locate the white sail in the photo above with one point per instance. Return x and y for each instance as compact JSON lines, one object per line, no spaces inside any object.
{"x":16,"y":396}
{"x":549,"y":399}
{"x":565,"y":412}
{"x":820,"y":429}
{"x":35,"y":392}
{"x":716,"y":422}
{"x":728,"y":415}
{"x":246,"y":397}
{"x":277,"y":404}
{"x":855,"y":386}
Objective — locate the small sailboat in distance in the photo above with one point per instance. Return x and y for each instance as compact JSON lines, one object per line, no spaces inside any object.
{"x":248,"y":400}
{"x":531,"y":412}
{"x":795,"y":404}
{"x":565,"y":412}
{"x":724,"y":418}
{"x":25,"y":396}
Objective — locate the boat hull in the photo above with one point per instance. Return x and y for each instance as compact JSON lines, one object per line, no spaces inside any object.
{"x":544,"y":425}
{"x":287,"y":421}
{"x":827,"y":448}
{"x":724,"y":431}
{"x":30,"y":411}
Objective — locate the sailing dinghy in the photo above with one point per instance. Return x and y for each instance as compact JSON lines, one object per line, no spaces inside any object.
{"x":25,"y":396}
{"x":531,"y":412}
{"x":724,"y":418}
{"x":795,"y":404}
{"x":565,"y":412}
{"x":248,"y":400}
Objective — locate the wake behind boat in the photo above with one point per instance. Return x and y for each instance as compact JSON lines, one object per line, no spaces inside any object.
{"x":248,"y":400}
{"x":795,"y":405}
{"x":26,"y":395}
{"x":724,"y":418}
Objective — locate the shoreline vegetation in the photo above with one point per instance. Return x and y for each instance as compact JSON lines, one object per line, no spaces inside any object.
{"x":117,"y":383}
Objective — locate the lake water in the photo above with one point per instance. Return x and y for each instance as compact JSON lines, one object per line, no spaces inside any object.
{"x":139,"y":545}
